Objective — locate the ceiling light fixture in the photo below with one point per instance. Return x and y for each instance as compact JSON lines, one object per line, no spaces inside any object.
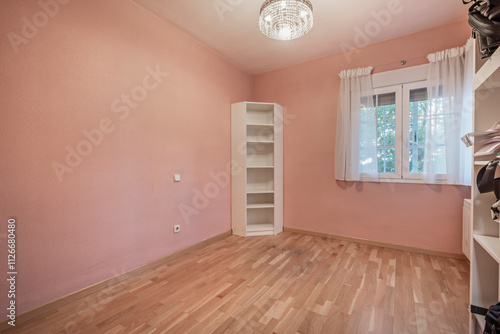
{"x":286,"y":19}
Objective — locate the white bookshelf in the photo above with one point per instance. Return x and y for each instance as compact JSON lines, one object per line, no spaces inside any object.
{"x":257,"y":173}
{"x":481,"y":322}
{"x":485,"y":258}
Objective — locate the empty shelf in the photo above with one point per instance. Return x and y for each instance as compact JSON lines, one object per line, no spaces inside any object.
{"x":260,"y":227}
{"x":490,"y":244}
{"x":259,"y":206}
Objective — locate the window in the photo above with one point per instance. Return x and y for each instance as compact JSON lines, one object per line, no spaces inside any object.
{"x":410,"y":132}
{"x":401,"y":116}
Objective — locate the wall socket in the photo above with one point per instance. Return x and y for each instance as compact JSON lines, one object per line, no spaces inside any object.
{"x":177,"y":228}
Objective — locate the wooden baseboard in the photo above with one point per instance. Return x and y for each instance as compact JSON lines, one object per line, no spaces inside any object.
{"x":44,"y":309}
{"x":380,"y":244}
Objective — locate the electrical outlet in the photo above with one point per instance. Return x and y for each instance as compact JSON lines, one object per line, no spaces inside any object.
{"x":177,"y":228}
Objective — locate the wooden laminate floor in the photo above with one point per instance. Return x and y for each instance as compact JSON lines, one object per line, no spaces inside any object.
{"x":290,"y":283}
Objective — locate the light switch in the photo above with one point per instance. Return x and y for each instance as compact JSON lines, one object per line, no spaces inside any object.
{"x":177,"y":177}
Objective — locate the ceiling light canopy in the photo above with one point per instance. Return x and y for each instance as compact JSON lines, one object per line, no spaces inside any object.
{"x":286,"y":19}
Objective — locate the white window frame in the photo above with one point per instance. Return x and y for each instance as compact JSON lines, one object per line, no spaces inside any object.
{"x":406,"y":79}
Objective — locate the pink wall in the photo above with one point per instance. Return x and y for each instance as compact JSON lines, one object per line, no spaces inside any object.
{"x":424,"y":216}
{"x":116,"y":207}
{"x":115,"y":210}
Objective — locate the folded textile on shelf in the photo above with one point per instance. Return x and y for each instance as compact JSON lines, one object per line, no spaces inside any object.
{"x":492,"y":133}
{"x":488,"y":146}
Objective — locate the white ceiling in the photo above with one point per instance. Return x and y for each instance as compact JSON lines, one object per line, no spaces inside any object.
{"x":231,"y":26}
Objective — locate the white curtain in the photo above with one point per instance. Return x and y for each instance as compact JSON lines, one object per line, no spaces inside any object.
{"x":356,"y":142}
{"x":449,"y":115}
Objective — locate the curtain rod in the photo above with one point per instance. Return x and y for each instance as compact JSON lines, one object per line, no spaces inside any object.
{"x":402,"y":62}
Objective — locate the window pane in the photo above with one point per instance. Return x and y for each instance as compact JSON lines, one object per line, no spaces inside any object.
{"x":421,"y":132}
{"x":417,"y":159}
{"x":380,"y":162}
{"x":422,"y":108}
{"x":386,"y":112}
{"x":417,"y":119}
{"x":380,"y":112}
{"x":414,"y":109}
{"x":390,"y":160}
{"x":389,"y":133}
{"x":380,"y":134}
{"x":386,"y":132}
{"x":418,"y":102}
{"x":386,"y":160}
{"x":386,"y":105}
{"x":417,"y":131}
{"x":391,"y":111}
{"x":413,"y":130}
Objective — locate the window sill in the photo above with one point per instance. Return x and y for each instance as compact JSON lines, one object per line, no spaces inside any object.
{"x":411,"y":181}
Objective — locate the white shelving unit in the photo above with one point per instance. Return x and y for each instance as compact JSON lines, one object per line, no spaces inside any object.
{"x":257,"y":173}
{"x":485,"y":259}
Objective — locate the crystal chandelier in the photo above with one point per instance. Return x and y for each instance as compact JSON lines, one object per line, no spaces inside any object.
{"x":286,"y":19}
